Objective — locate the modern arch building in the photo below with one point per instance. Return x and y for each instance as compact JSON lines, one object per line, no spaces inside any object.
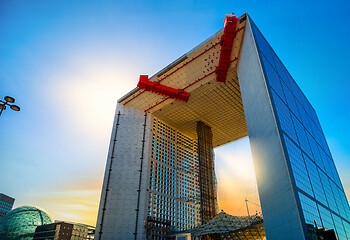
{"x":159,"y":174}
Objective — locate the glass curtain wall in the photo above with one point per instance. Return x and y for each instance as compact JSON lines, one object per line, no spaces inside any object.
{"x":315,"y":177}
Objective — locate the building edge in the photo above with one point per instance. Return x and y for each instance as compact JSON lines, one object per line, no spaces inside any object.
{"x":274,"y":183}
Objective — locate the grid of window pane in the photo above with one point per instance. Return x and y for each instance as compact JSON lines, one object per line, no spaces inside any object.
{"x":347,"y":228}
{"x":339,"y":227}
{"x":329,"y":193}
{"x":310,"y":209}
{"x":309,"y":156}
{"x":284,"y":117}
{"x":174,"y":189}
{"x":327,"y":220}
{"x":298,"y":167}
{"x":315,"y":181}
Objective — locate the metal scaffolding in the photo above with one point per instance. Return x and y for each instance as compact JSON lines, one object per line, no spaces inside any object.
{"x":206,"y":172}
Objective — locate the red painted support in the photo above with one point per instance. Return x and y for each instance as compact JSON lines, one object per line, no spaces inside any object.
{"x":226,"y":47}
{"x":156,"y":87}
{"x":194,"y":58}
{"x":199,"y":79}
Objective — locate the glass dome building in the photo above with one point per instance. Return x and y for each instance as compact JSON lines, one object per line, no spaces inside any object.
{"x":20,"y":223}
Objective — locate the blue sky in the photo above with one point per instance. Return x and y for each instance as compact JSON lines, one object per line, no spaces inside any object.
{"x":67,"y":62}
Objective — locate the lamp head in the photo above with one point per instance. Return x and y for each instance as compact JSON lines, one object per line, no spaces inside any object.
{"x":15,"y":108}
{"x":9,"y":99}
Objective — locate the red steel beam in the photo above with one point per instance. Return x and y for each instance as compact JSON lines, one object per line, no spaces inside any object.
{"x":156,"y":87}
{"x":189,"y":85}
{"x":226,"y":47}
{"x":194,"y":58}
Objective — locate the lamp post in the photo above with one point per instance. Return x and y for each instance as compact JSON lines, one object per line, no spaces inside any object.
{"x":6,"y":102}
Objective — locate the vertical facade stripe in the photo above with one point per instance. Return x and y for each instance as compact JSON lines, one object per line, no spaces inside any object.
{"x":109,"y":177}
{"x":140,"y":179}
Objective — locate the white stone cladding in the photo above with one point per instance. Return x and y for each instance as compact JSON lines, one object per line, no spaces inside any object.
{"x":119,"y":219}
{"x":179,"y":206}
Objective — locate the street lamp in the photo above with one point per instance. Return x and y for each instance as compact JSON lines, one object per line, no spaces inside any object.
{"x":7,"y":101}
